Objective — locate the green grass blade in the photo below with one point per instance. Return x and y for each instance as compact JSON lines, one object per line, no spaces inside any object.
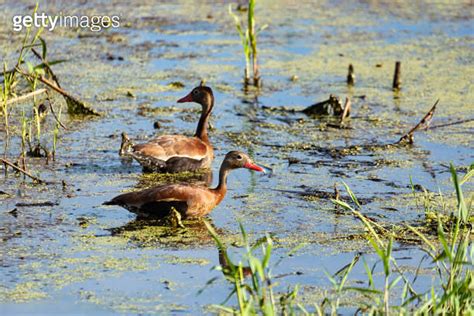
{"x":351,"y":194}
{"x":462,"y":208}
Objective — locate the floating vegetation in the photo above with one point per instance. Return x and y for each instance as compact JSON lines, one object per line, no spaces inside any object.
{"x":158,"y":233}
{"x":22,"y":292}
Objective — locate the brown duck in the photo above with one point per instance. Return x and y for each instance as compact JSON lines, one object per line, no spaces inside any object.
{"x":189,"y":200}
{"x":178,"y":153}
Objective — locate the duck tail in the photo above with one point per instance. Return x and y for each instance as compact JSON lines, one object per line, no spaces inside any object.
{"x":111,"y":202}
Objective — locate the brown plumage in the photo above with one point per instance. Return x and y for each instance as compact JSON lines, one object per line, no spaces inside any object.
{"x":190,"y":200}
{"x":178,"y":153}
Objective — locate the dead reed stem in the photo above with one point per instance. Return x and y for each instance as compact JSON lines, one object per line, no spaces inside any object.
{"x":351,"y":75}
{"x":25,"y":96}
{"x":396,"y":77}
{"x":9,"y":163}
{"x":425,"y":121}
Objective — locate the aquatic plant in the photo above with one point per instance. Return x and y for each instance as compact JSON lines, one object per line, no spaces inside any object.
{"x":248,"y":36}
{"x":252,"y":280}
{"x":56,"y":133}
{"x":453,"y":259}
{"x":7,"y":81}
{"x":452,"y":268}
{"x":28,"y":75}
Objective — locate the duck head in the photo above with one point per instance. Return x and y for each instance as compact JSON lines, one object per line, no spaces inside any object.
{"x":237,"y":159}
{"x":202,"y":95}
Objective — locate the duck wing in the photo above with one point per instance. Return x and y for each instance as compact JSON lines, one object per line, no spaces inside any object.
{"x":173,"y":153}
{"x":189,"y":200}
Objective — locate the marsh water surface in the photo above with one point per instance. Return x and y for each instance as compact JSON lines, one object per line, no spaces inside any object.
{"x":74,"y":255}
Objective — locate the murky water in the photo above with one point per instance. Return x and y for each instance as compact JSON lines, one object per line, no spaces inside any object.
{"x":79,"y":256}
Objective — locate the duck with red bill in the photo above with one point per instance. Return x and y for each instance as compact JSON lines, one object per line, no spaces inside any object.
{"x":179,"y":153}
{"x":189,"y":200}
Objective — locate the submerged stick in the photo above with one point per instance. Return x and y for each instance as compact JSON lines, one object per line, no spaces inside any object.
{"x":452,"y":123}
{"x":425,"y":121}
{"x":9,"y":163}
{"x":26,"y":96}
{"x":396,"y":77}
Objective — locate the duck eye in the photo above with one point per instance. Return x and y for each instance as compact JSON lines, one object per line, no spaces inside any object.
{"x":195,"y":91}
{"x":239,"y":157}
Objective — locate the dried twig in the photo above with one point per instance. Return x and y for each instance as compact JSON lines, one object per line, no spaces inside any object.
{"x":9,"y":163}
{"x":337,"y":194}
{"x":425,"y":121}
{"x":26,"y":96}
{"x":78,"y":107}
{"x":52,"y":111}
{"x":3,"y":73}
{"x":46,"y":65}
{"x":347,"y":109}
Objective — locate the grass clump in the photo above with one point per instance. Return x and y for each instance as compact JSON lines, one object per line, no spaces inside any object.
{"x":252,"y":280}
{"x":388,"y":289}
{"x":452,"y":263}
{"x":248,"y":36}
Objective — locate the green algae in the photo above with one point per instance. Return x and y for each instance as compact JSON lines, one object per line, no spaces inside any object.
{"x":151,"y":234}
{"x":192,"y":261}
{"x":123,"y":304}
{"x":22,"y":292}
{"x":247,"y":139}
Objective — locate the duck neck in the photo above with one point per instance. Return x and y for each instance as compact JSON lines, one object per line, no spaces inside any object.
{"x":221,"y":188}
{"x":201,"y":131}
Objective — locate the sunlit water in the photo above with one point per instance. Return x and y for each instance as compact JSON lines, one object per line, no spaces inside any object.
{"x":67,"y":258}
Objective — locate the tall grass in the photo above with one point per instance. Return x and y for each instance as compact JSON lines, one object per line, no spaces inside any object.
{"x":452,"y":256}
{"x":20,"y":84}
{"x":56,"y":133}
{"x":6,"y":88}
{"x":248,"y":36}
{"x":9,"y":79}
{"x":252,"y":280}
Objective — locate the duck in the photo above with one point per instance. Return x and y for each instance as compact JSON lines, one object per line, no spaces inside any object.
{"x":177,"y":153}
{"x":189,"y":200}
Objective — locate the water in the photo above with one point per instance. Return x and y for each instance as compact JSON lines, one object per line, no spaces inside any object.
{"x":78,"y":256}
